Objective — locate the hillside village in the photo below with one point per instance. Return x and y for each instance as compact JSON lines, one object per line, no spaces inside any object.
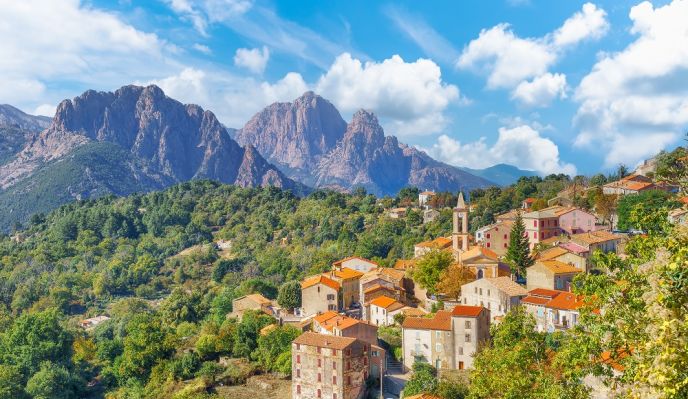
{"x":347,"y":312}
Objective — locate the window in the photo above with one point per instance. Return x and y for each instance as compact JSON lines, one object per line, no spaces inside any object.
{"x":298,"y":358}
{"x":319,"y":377}
{"x":468,"y":324}
{"x":488,"y":245}
{"x":438,"y":334}
{"x":298,"y":373}
{"x":375,"y":353}
{"x":334,"y":365}
{"x":334,"y":396}
{"x":334,"y":352}
{"x":487,"y":235}
{"x":438,"y":347}
{"x":475,"y":289}
{"x":319,"y":394}
{"x":318,"y":288}
{"x":488,"y":292}
{"x":467,"y":338}
{"x":535,"y":234}
{"x":319,"y":362}
{"x":330,"y":297}
{"x":505,"y":236}
{"x":461,"y":350}
{"x":298,"y":347}
{"x":319,"y":350}
{"x":334,"y":380}
{"x":534,"y":225}
{"x":298,"y":389}
{"x":481,"y":291}
{"x":505,"y":245}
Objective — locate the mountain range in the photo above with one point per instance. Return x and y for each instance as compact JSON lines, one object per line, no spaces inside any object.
{"x":137,"y":139}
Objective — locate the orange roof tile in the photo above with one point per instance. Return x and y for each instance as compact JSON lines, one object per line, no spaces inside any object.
{"x":441,"y":321}
{"x":341,"y":322}
{"x":437,"y":243}
{"x":260,"y":299}
{"x":321,"y":318}
{"x":595,"y":237}
{"x":319,"y":279}
{"x":535,"y":300}
{"x":376,"y":287}
{"x":558,"y":267}
{"x":467,"y":311}
{"x":551,"y":253}
{"x":477,"y":251}
{"x":324,"y":341}
{"x":566,"y":301}
{"x":386,"y":302}
{"x":403,"y":264}
{"x":544,"y":292}
{"x":347,"y":273}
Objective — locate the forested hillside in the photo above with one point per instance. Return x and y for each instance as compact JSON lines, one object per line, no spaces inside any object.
{"x":142,"y":260}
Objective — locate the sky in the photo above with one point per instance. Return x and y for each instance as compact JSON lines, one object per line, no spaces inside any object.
{"x":555,"y":87}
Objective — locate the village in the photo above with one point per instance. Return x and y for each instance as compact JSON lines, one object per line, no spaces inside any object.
{"x":347,"y":311}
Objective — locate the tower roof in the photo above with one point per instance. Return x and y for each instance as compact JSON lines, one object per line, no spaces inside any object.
{"x":460,"y":203}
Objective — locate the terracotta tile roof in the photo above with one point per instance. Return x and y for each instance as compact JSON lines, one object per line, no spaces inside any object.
{"x":595,"y":237}
{"x":535,"y":300}
{"x":509,"y":215}
{"x":467,"y":311}
{"x":507,"y":285}
{"x":551,"y":253}
{"x":387,"y":273}
{"x":347,"y":273}
{"x":427,"y":193}
{"x":553,"y":240}
{"x":413,"y":312}
{"x":258,"y":298}
{"x":324,"y":341}
{"x":573,"y":248}
{"x":441,"y":321}
{"x":558,"y":267}
{"x":479,"y":251}
{"x":321,"y":318}
{"x":566,"y":301}
{"x":341,"y":322}
{"x":632,"y":182}
{"x":339,"y":262}
{"x":544,"y":292}
{"x":403,"y":264}
{"x":388,"y":303}
{"x":437,"y":243}
{"x":319,"y":279}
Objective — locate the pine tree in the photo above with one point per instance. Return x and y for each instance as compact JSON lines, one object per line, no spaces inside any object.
{"x":518,"y":254}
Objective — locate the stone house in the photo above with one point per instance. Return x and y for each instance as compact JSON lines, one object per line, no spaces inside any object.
{"x":536,"y":304}
{"x":332,"y":323}
{"x":424,"y":198}
{"x":397,"y":213}
{"x":251,"y":302}
{"x":551,"y":274}
{"x":357,"y":263}
{"x":325,"y":366}
{"x":448,"y":340}
{"x":383,"y":281}
{"x":498,"y":294}
{"x":483,"y":262}
{"x":430,"y":215}
{"x":631,"y":184}
{"x":601,"y":240}
{"x":495,"y":236}
{"x":349,"y":281}
{"x":383,"y":309}
{"x":320,"y":294}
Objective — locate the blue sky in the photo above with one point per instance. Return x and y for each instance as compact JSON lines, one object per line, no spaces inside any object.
{"x":573,"y":87}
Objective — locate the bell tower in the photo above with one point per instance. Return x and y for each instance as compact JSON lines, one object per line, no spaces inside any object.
{"x":460,"y":233}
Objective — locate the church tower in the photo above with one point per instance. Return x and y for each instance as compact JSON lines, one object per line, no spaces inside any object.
{"x":460,"y":233}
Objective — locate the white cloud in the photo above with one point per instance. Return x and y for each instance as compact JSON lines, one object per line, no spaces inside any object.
{"x":510,"y":61}
{"x":254,"y":59}
{"x":202,"y":48}
{"x":590,"y":22}
{"x":232,"y":99}
{"x":411,"y":96}
{"x":541,"y":90}
{"x":429,"y":40}
{"x":45,"y":110}
{"x":46,"y":40}
{"x":634,"y":102}
{"x":521,"y":146}
{"x":202,"y":13}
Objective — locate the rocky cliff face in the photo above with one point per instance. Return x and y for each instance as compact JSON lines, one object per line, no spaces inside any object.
{"x":15,"y":118}
{"x":172,"y":142}
{"x":308,"y":147}
{"x":295,"y":136}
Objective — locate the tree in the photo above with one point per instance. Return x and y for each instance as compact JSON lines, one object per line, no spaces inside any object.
{"x":273,"y":344}
{"x":605,"y":205}
{"x":289,"y":296}
{"x":248,"y":331}
{"x":423,"y":380}
{"x":645,"y":202}
{"x":453,"y":278}
{"x":11,"y":386}
{"x":147,"y":340}
{"x":53,"y":382}
{"x":429,"y":268}
{"x":518,"y":253}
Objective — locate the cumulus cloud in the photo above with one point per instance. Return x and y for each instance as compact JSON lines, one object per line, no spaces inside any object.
{"x":541,"y":90}
{"x":45,"y":110}
{"x":521,"y":146}
{"x":254,"y":59}
{"x":633,"y":103}
{"x":510,"y":61}
{"x":68,"y":40}
{"x":202,"y":13}
{"x":411,"y":96}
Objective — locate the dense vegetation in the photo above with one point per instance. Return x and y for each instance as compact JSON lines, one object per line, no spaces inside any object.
{"x":147,"y":262}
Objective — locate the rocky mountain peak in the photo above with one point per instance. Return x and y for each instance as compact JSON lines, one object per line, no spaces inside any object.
{"x":365,"y":129}
{"x":12,"y":117}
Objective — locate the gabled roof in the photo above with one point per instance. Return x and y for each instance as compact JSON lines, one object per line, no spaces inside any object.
{"x":390,"y":273}
{"x":321,"y":318}
{"x":507,"y":285}
{"x":324,"y":341}
{"x":388,"y":303}
{"x":557,"y":267}
{"x":535,"y":300}
{"x":572,"y":247}
{"x":319,"y":279}
{"x":566,"y":301}
{"x":595,"y":237}
{"x":544,"y":292}
{"x":339,"y":262}
{"x":437,"y":243}
{"x":376,"y":287}
{"x":467,"y":311}
{"x":551,"y":253}
{"x":403,"y":264}
{"x":479,"y":251}
{"x":338,"y":321}
{"x":347,"y":273}
{"x":257,"y":298}
{"x":441,"y":321}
